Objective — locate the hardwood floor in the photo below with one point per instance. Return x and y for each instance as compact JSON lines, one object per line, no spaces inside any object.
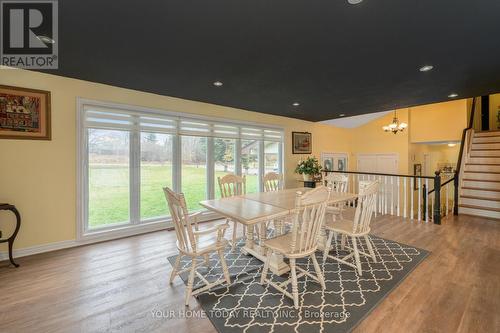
{"x":116,"y":286}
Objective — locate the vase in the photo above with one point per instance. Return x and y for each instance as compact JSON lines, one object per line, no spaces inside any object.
{"x":307,"y":178}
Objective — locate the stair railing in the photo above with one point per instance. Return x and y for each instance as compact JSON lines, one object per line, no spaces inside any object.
{"x":401,"y":195}
{"x":464,"y":145}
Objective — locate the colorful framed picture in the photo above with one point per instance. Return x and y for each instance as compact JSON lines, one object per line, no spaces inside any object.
{"x":24,"y":113}
{"x":301,"y":143}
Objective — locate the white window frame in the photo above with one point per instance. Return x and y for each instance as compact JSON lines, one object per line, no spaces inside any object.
{"x":135,"y":225}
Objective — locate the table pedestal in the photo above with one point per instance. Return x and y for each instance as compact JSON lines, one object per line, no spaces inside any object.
{"x":277,"y":265}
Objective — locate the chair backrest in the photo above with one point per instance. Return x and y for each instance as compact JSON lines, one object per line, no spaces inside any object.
{"x":367,"y":198}
{"x":337,"y":182}
{"x":272,"y":182}
{"x":308,"y":220}
{"x":231,"y":185}
{"x":182,"y":223}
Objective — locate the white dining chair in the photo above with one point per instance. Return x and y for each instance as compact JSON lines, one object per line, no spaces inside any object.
{"x":355,"y":229}
{"x":232,"y":185}
{"x":300,"y":242}
{"x":272,"y":182}
{"x":189,"y":244}
{"x":337,"y":183}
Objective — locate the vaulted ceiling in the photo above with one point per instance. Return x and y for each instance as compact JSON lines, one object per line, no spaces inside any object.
{"x":329,"y":56}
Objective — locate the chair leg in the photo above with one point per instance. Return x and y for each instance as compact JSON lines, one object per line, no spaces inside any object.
{"x":295,"y":288}
{"x":342,"y":242}
{"x":263,"y":275}
{"x":224,"y":266}
{"x":233,"y":242}
{"x":328,"y":245}
{"x":207,"y":260}
{"x":356,"y":255}
{"x":319,"y":274}
{"x":189,"y":288}
{"x":370,"y":248}
{"x":175,"y":268}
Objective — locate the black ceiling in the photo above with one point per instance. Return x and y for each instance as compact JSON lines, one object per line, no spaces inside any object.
{"x":330,"y":56}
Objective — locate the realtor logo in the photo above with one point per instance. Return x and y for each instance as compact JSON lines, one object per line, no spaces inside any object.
{"x":29,"y":34}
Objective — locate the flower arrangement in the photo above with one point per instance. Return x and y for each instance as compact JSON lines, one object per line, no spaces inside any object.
{"x":308,"y":167}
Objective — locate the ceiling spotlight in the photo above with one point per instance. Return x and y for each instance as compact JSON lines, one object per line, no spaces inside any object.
{"x":452,"y":144}
{"x":296,"y":104}
{"x":354,"y":2}
{"x":426,"y":68}
{"x":218,"y":84}
{"x":342,"y":114}
{"x":45,"y":39}
{"x":453,"y":95}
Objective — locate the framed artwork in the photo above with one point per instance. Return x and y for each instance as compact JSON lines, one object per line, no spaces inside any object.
{"x":334,"y":161}
{"x":301,"y":143}
{"x":24,"y":113}
{"x":417,"y":171}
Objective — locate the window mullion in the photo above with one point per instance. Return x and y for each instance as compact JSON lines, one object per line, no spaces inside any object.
{"x":135,"y":173}
{"x":237,"y":157}
{"x":176,"y":163}
{"x":261,"y":165}
{"x":210,"y":168}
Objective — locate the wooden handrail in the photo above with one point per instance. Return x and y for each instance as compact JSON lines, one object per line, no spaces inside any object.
{"x":380,"y":174}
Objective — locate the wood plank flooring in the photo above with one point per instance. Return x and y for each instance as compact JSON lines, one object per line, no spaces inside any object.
{"x":115,"y":286}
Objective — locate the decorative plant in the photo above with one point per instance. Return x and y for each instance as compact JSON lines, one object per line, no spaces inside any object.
{"x":309,"y":166}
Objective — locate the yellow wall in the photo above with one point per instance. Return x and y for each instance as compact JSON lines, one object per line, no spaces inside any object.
{"x":39,"y":177}
{"x":370,"y":138}
{"x":439,"y":154}
{"x":438,"y":122}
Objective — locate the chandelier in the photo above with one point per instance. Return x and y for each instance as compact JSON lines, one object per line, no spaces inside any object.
{"x":395,"y":126}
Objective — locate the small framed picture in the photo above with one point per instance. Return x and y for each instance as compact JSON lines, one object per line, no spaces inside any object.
{"x":24,"y":113}
{"x":301,"y":143}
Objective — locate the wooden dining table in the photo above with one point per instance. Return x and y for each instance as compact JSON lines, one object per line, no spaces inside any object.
{"x":259,"y":208}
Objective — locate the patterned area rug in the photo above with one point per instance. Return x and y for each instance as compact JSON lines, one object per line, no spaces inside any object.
{"x":248,"y":307}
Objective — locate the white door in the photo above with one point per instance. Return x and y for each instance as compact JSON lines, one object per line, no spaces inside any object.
{"x":385,"y":164}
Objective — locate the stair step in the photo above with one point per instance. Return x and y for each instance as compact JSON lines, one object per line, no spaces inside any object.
{"x":476,"y":167}
{"x":484,"y":153}
{"x":480,"y":202}
{"x":487,"y":133}
{"x":478,"y":211}
{"x":486,"y":145}
{"x":493,"y":193}
{"x":484,"y":160}
{"x":481,"y":183}
{"x":479,"y":175}
{"x":486,"y":139}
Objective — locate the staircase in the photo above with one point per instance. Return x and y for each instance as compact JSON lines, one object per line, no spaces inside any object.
{"x":480,"y":186}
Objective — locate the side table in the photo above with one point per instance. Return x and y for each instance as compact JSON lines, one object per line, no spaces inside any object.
{"x":10,"y":240}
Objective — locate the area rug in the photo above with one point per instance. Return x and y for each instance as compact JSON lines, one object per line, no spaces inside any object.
{"x":246,"y":306}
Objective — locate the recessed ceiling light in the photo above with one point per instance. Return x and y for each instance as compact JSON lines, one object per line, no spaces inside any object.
{"x":452,"y":144}
{"x":354,"y":2}
{"x":453,"y":95}
{"x":45,"y":39}
{"x":342,"y":114}
{"x":296,"y":104}
{"x":218,"y":84}
{"x":426,"y":68}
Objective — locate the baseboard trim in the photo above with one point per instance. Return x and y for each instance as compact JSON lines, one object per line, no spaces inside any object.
{"x":90,"y":239}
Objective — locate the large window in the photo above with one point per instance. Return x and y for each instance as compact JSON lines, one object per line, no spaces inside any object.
{"x":156,"y":173}
{"x":109,"y":177}
{"x":129,"y":154}
{"x":194,"y":170}
{"x":224,"y":160}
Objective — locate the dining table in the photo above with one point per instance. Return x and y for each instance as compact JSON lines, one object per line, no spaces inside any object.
{"x":258,"y":209}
